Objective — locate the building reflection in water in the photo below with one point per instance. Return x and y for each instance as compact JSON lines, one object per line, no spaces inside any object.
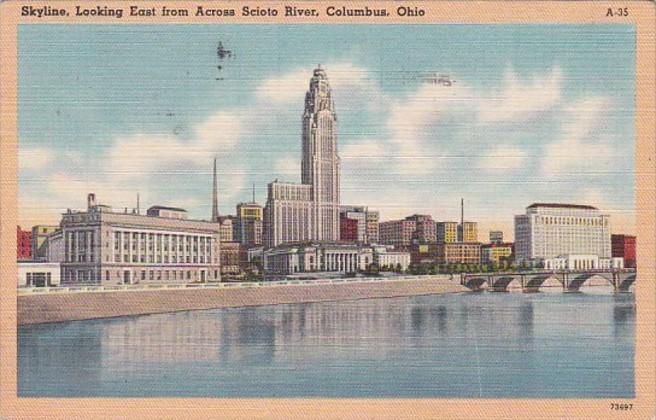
{"x":426,"y":345}
{"x":47,"y":353}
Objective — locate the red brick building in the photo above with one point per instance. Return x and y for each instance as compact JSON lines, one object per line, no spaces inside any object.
{"x":624,"y":246}
{"x":23,"y":244}
{"x":348,"y":229}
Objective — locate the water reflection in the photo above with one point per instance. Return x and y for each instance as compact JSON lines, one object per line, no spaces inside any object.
{"x":465,"y":345}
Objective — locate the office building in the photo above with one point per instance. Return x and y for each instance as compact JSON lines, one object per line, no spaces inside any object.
{"x":550,"y":230}
{"x":398,"y":233}
{"x":248,"y":227}
{"x":496,"y":237}
{"x":417,"y":229}
{"x":55,"y":250}
{"x":459,"y":253}
{"x":367,"y":223}
{"x":425,"y":231}
{"x":227,"y":228}
{"x":106,"y":247}
{"x":230,"y":258}
{"x":40,"y":235}
{"x":310,"y":210}
{"x":469,"y":232}
{"x":624,"y":246}
{"x":373,"y":230}
{"x":23,"y":244}
{"x":447,"y":232}
{"x":348,"y":229}
{"x":497,"y":252}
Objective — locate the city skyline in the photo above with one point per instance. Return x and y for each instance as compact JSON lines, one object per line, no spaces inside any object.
{"x":407,"y":146}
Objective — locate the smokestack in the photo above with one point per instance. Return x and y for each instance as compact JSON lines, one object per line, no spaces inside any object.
{"x":91,"y":200}
{"x":138,"y":209}
{"x":253,"y":192}
{"x":462,"y":212}
{"x":215,"y":196}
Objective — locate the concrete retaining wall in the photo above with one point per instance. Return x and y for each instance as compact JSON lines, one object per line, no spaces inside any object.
{"x":36,"y":309}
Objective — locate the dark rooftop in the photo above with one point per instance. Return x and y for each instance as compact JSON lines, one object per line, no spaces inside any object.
{"x":166,"y":208}
{"x":560,"y":205}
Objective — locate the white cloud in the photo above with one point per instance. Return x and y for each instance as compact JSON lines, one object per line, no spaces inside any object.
{"x":519,"y":100}
{"x":219,"y":132}
{"x":504,"y":158}
{"x":350,"y":84}
{"x":289,"y":168}
{"x":414,"y":124}
{"x":34,"y":158}
{"x":578,"y":149}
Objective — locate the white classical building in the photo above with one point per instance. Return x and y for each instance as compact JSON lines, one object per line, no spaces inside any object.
{"x":550,"y":230}
{"x":310,"y":210}
{"x":317,"y":257}
{"x":101,"y":246}
{"x":582,"y":262}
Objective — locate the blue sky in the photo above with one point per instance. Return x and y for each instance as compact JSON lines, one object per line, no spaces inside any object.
{"x":537,"y":113}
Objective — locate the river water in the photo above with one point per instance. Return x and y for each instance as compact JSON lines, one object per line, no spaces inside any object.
{"x":458,"y":345}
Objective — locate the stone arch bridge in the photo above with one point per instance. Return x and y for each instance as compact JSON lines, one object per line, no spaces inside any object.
{"x":531,"y":281}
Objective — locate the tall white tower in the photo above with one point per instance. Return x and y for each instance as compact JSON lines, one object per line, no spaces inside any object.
{"x":320,"y":163}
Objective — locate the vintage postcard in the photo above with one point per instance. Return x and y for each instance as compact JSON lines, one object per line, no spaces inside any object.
{"x":315,"y":209}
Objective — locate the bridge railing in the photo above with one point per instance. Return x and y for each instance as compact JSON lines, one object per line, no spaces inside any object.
{"x":169,"y":286}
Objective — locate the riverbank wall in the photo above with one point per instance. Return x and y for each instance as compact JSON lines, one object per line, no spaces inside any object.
{"x":60,"y":307}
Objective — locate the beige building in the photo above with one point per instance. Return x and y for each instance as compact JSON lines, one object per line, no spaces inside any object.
{"x":459,"y":253}
{"x":40,"y":235}
{"x":469,"y":232}
{"x":106,"y":247}
{"x":417,"y":228}
{"x":55,"y":250}
{"x":373,"y":229}
{"x":226,"y":228}
{"x":310,"y":210}
{"x":397,"y":232}
{"x":231,"y":258}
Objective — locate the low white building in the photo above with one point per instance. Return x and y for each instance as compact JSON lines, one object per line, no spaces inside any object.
{"x":582,"y":262}
{"x":38,"y":274}
{"x":392,"y":259}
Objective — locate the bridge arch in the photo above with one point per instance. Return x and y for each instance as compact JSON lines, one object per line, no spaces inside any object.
{"x":626,"y":283}
{"x":475,"y":283}
{"x":501,"y":284}
{"x":534,"y":283}
{"x":580,"y":280}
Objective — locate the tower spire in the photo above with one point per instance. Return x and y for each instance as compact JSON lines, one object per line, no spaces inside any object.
{"x":215,"y":196}
{"x":461,"y":227}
